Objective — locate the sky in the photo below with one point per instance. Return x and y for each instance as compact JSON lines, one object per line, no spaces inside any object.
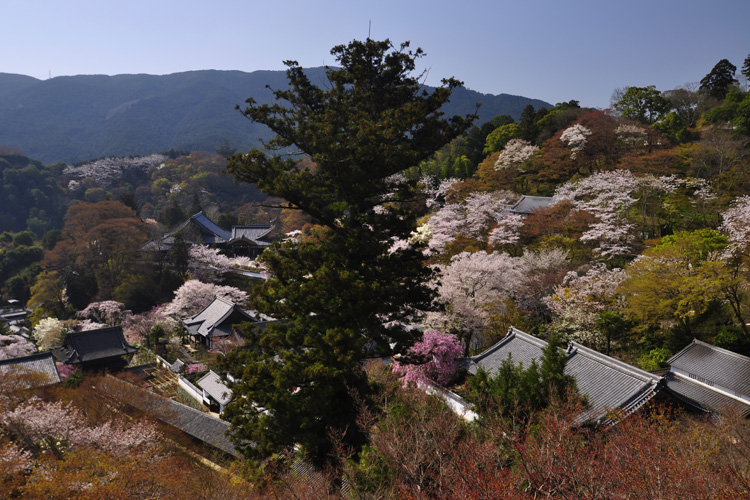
{"x":554,"y":50}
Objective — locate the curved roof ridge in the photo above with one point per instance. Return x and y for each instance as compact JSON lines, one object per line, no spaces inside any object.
{"x":613,"y":363}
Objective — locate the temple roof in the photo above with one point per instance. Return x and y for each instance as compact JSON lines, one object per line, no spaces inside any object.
{"x":608,"y":384}
{"x":36,"y":370}
{"x":93,"y":345}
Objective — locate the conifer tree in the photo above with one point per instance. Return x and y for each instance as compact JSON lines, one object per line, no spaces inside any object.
{"x":339,"y":294}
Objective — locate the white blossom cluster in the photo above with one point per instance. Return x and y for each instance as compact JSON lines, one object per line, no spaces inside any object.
{"x":107,"y":170}
{"x":515,"y":154}
{"x":736,"y":225}
{"x":632,"y":135}
{"x":575,"y":137}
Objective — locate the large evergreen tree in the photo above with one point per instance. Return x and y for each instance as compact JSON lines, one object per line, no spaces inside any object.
{"x":718,"y":81}
{"x":340,"y":293}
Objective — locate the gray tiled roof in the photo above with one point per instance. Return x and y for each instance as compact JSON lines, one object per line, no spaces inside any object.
{"x":40,"y":368}
{"x":213,"y":315}
{"x":215,"y":387}
{"x":253,"y":232}
{"x":715,"y":365}
{"x":93,"y":345}
{"x":607,"y":383}
{"x":194,"y":422}
{"x":528,"y":204}
{"x":703,"y":397}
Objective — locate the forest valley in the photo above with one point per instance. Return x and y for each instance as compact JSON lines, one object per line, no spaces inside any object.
{"x":399,"y":250}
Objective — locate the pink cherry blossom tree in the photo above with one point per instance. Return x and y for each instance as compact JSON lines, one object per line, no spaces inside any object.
{"x":736,"y":225}
{"x":473,"y":289}
{"x":435,"y":360}
{"x":194,"y":295}
{"x":15,"y":346}
{"x":108,"y":312}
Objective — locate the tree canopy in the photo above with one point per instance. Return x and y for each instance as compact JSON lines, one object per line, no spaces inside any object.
{"x":341,"y":291}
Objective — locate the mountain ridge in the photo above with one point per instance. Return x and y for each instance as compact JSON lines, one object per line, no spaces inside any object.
{"x":77,"y":118}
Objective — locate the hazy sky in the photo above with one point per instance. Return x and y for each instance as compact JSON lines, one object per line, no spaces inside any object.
{"x":553,"y":50}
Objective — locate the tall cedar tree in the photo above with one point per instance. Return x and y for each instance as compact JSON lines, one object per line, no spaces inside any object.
{"x":337,"y":294}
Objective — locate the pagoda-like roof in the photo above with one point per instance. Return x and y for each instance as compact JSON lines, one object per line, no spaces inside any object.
{"x":613,"y":389}
{"x":93,"y":346}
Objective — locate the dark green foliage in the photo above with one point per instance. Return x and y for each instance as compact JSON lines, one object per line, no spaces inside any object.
{"x":24,"y":238}
{"x":173,"y":215}
{"x":29,"y":195}
{"x":179,"y":254}
{"x":227,"y":220}
{"x":339,"y":293}
{"x":644,"y":104}
{"x":746,"y":67}
{"x":719,"y":80}
{"x":50,"y":238}
{"x":195,"y":205}
{"x":74,"y":380}
{"x":516,"y":392}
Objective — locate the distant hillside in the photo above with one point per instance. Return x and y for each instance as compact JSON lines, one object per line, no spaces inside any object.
{"x":78,"y":118}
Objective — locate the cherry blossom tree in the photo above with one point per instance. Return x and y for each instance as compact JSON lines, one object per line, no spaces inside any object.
{"x":473,"y":288}
{"x":15,"y":346}
{"x":607,"y":196}
{"x":515,"y":154}
{"x":194,"y":295}
{"x":575,"y":137}
{"x":736,"y":225}
{"x":108,"y":312}
{"x":436,"y":360}
{"x":580,"y":299}
{"x":472,"y":218}
{"x":507,"y":231}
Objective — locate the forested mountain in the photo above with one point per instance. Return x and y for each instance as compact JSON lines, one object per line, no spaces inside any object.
{"x":76,"y":118}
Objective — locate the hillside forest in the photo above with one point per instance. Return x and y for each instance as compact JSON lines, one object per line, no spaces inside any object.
{"x":639,"y":243}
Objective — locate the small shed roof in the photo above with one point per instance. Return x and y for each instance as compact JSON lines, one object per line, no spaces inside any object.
{"x":36,"y":370}
{"x":607,"y":383}
{"x":528,"y":204}
{"x":211,"y":383}
{"x":94,"y":345}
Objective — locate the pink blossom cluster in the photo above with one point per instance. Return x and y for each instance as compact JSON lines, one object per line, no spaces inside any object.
{"x":195,"y":368}
{"x":107,"y":312}
{"x":107,"y":170}
{"x":440,"y":353}
{"x":472,"y":218}
{"x":15,"y":346}
{"x":508,"y":230}
{"x":579,"y":300}
{"x":212,"y":258}
{"x":607,"y":196}
{"x":194,"y":295}
{"x":37,"y":421}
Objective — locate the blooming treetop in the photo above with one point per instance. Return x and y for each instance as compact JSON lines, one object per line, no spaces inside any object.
{"x":515,"y":154}
{"x":575,"y":137}
{"x":736,"y":225}
{"x":49,"y":333}
{"x":439,"y":353}
{"x":15,"y":346}
{"x":194,"y":295}
{"x":473,"y":288}
{"x":472,"y":218}
{"x":108,"y":312}
{"x":47,"y":422}
{"x":507,"y":231}
{"x":579,"y":300}
{"x":607,"y":196}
